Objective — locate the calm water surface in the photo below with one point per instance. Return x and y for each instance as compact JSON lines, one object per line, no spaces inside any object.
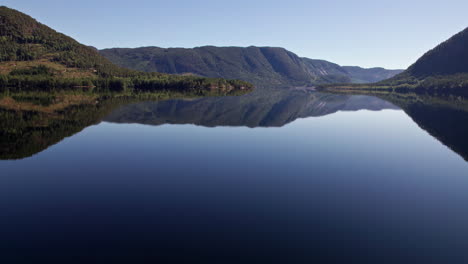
{"x":292,"y":179}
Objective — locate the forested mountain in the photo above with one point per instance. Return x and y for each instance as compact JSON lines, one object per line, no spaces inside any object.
{"x":23,"y":39}
{"x":263,"y":66}
{"x":450,"y":57}
{"x":444,"y":68}
{"x":34,"y":56}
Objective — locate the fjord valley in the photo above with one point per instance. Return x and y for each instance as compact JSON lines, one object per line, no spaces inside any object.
{"x":35,"y":57}
{"x":232,"y":153}
{"x":262,"y":66}
{"x":442,"y":69}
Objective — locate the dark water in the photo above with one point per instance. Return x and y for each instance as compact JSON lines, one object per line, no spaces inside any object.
{"x":288,"y":177}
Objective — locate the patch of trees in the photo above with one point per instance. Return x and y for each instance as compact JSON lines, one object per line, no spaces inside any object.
{"x":40,"y":78}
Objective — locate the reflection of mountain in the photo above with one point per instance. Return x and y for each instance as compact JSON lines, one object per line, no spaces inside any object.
{"x":30,"y":122}
{"x":26,"y":132}
{"x":445,"y":118}
{"x":260,"y":108}
{"x":33,"y":128}
{"x":29,"y":131}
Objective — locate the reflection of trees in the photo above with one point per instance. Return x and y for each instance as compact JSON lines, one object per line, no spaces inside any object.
{"x":31,"y":122}
{"x":26,"y":132}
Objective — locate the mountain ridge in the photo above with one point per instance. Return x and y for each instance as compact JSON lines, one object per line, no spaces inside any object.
{"x":274,"y":66}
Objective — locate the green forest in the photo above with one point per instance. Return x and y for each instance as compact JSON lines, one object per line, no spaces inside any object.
{"x":41,"y":78}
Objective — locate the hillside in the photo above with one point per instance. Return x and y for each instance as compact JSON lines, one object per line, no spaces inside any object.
{"x":450,"y":57}
{"x":259,"y":65}
{"x":444,"y":68}
{"x":263,"y":66}
{"x":34,"y":56}
{"x":25,"y":42}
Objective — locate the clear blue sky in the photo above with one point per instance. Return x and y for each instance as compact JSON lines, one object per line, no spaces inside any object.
{"x":367,"y":33}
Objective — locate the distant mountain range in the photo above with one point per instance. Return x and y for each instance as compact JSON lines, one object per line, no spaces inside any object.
{"x":361,"y":75}
{"x":262,"y":66}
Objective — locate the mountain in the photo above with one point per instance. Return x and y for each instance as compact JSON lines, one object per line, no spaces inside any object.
{"x":27,"y":42}
{"x":328,"y":71}
{"x":444,"y":68}
{"x":34,"y":56}
{"x":450,"y":57}
{"x":361,"y":75}
{"x":263,"y":66}
{"x":259,"y":65}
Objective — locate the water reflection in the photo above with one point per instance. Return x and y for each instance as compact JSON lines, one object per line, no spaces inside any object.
{"x":445,"y":117}
{"x":262,"y":108}
{"x":345,"y":187}
{"x":27,"y":132}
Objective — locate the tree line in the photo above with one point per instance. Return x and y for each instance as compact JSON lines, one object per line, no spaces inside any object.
{"x":40,"y":78}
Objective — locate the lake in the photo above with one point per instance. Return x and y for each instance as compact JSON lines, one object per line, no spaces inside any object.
{"x":280,"y":176}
